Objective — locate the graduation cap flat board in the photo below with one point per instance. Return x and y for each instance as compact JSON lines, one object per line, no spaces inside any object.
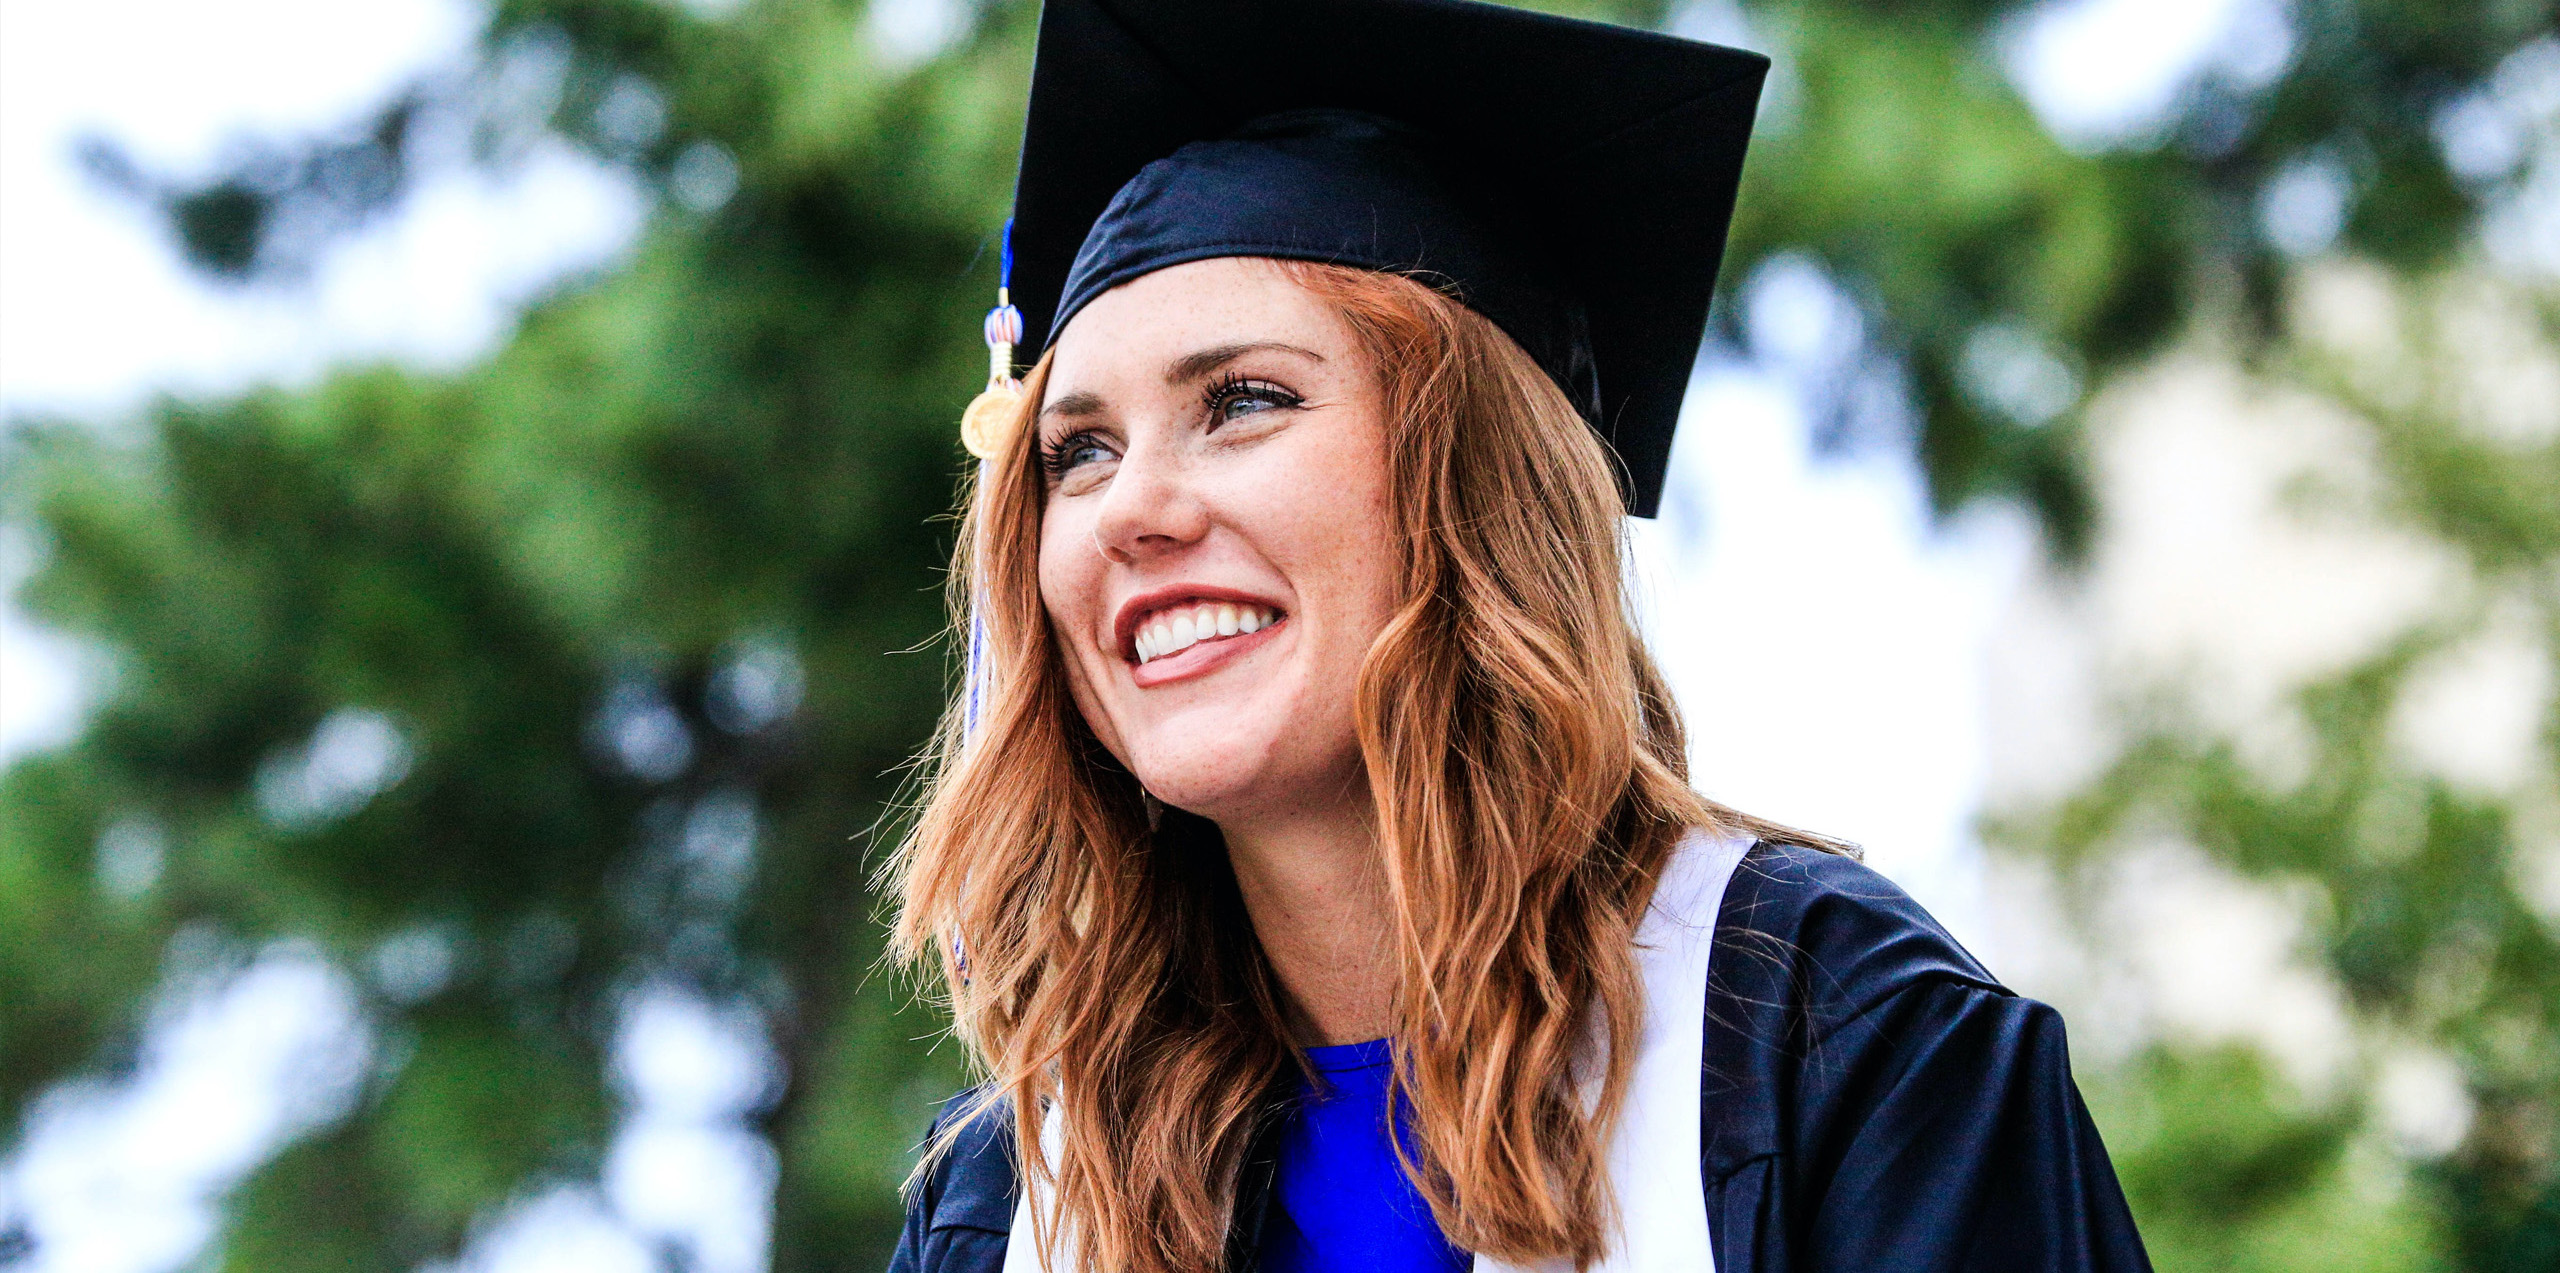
{"x":1570,"y":180}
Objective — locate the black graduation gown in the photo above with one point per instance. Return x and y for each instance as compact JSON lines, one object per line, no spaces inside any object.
{"x":1873,"y":1100}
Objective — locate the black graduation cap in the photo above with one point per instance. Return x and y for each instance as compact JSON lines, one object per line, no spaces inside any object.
{"x":1572,"y":181}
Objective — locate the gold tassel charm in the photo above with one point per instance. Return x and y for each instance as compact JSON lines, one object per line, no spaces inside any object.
{"x":988,"y":422}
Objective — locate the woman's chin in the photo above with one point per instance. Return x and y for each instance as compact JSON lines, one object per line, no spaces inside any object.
{"x":1226,"y":783}
{"x":1207,"y":790}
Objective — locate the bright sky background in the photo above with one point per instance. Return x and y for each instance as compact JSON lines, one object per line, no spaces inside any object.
{"x":98,"y":308}
{"x":1827,"y":641}
{"x":2103,"y":73}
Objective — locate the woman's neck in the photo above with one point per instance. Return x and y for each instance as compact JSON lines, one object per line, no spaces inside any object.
{"x":1313,"y":886}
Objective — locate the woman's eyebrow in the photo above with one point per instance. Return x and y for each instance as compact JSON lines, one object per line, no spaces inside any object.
{"x":1079,"y":403}
{"x":1192,"y":366}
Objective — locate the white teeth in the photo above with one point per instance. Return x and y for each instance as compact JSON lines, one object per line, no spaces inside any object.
{"x":1180,"y":630}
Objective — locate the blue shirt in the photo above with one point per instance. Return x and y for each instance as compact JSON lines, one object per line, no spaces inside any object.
{"x":1340,"y":1201}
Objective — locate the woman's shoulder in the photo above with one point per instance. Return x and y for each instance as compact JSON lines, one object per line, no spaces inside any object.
{"x":1826,"y":931}
{"x":1822,"y":971}
{"x":1870,"y":1090}
{"x":1827,"y":986}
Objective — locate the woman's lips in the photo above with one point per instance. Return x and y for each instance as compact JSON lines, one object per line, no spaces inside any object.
{"x":1169,"y":630}
{"x":1203,"y":656}
{"x":1152,"y":614}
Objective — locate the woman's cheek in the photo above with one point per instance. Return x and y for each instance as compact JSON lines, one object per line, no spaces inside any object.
{"x":1069,"y":596}
{"x":1096,"y":712}
{"x":1083,"y":687}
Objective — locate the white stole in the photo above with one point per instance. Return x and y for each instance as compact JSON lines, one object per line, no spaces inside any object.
{"x":1654,"y":1168}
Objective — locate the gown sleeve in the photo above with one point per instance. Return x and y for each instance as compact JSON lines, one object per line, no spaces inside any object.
{"x":960,"y":1214}
{"x":1875,"y":1100}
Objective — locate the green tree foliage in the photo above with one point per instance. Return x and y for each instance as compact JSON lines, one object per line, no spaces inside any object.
{"x":2423,"y":910}
{"x":664,"y":570}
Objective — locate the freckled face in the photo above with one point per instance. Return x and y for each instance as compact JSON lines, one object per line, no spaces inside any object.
{"x":1215,"y":554}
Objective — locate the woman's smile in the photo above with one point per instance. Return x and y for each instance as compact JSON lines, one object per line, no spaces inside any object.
{"x":1172,"y":634}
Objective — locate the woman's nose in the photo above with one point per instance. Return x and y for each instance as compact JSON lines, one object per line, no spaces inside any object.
{"x":1149,"y":509}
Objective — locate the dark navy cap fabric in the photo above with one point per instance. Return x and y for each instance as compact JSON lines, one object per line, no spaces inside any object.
{"x":1569,"y":180}
{"x":1344,"y":188}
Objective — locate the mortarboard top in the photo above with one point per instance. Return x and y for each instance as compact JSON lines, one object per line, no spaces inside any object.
{"x":1572,"y":180}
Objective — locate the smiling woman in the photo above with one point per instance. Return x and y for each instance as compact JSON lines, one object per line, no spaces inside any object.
{"x":1215,"y":434}
{"x":1316,"y":878}
{"x":1218,"y":435}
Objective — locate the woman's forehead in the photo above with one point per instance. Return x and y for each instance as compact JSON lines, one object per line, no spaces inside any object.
{"x":1164,"y":321}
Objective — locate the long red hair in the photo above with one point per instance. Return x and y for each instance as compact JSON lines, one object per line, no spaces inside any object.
{"x":1526,"y":762}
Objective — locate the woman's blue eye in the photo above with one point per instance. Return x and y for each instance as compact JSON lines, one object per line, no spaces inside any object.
{"x":1235,"y":399}
{"x":1068,"y":453}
